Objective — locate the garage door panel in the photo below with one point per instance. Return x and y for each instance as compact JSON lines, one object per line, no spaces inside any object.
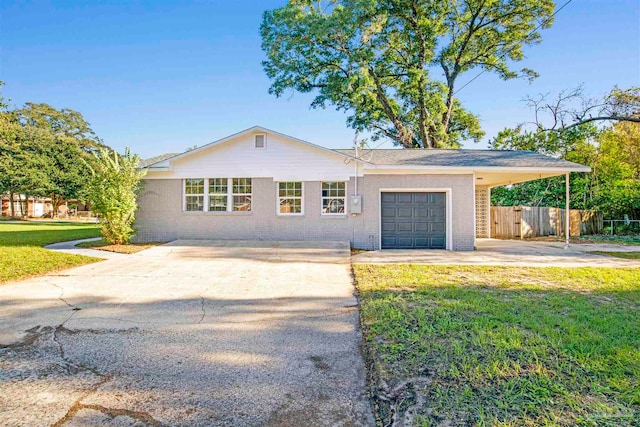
{"x":405,"y":226}
{"x":404,"y":197}
{"x":405,"y":242}
{"x":421,"y":212}
{"x":406,"y":212}
{"x":421,"y":227}
{"x":437,"y":227}
{"x":389,"y":226}
{"x":421,"y":198}
{"x":388,"y":212}
{"x":388,"y":197}
{"x":413,"y":220}
{"x":437,"y":243}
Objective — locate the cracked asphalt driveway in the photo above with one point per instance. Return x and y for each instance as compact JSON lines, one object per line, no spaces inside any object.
{"x":193,"y":333}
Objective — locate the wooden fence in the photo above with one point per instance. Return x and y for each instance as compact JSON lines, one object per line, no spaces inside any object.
{"x":521,"y":222}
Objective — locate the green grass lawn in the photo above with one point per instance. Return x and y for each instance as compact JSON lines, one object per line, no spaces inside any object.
{"x":21,"y":252}
{"x":502,"y":346}
{"x":602,"y":238}
{"x":627,"y":255}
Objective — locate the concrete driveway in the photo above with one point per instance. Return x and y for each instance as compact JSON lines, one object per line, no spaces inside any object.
{"x":509,"y":252}
{"x":193,"y":333}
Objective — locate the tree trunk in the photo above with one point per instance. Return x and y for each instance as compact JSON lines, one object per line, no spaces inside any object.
{"x":11,"y":207}
{"x":54,"y":203}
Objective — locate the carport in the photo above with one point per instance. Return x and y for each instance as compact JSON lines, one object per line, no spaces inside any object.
{"x":486,"y":179}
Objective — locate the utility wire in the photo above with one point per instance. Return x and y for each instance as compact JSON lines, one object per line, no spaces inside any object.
{"x":509,"y":51}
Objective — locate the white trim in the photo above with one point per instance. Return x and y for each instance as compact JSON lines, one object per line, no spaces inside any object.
{"x":448,"y":209}
{"x":278,"y":213}
{"x":185,"y":195}
{"x":232,"y":194}
{"x":208,"y":196}
{"x":346,"y":197}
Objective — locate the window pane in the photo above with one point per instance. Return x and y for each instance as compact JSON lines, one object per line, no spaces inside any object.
{"x":241,"y":203}
{"x":333,"y":189}
{"x":194,"y":186}
{"x":289,"y":189}
{"x":217,"y":185}
{"x":241,"y":185}
{"x":195,"y":203}
{"x":333,"y":206}
{"x":293,"y":206}
{"x":217,"y":203}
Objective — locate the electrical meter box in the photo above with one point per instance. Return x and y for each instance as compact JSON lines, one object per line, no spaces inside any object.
{"x":355,"y":207}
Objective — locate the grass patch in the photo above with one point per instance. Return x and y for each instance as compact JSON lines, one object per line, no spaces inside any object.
{"x":131,"y":248}
{"x":624,"y":240}
{"x":627,"y":255}
{"x":21,"y":252}
{"x":503,"y":346}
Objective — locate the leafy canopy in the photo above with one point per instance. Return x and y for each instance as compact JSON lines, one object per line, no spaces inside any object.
{"x":377,"y":59}
{"x":613,"y":153}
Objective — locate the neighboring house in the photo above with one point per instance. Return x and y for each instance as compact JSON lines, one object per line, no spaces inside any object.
{"x":261,"y":184}
{"x":33,"y":207}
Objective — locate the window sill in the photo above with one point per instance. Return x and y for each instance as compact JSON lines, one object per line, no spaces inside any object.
{"x":334,"y":216}
{"x":281,"y":215}
{"x":219,"y":213}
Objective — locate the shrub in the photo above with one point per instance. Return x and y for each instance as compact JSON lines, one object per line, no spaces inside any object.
{"x":113,"y":189}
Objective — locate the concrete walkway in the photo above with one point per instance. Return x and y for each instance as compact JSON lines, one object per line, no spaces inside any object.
{"x":508,"y":252}
{"x":193,"y":333}
{"x":71,"y":248}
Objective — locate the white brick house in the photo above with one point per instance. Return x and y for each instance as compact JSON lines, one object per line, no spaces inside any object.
{"x":261,"y":184}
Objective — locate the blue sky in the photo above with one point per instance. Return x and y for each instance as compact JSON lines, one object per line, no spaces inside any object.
{"x":161,"y":76}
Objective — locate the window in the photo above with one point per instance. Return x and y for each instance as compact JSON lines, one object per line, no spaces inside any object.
{"x":260,"y":141}
{"x":290,"y":198}
{"x":194,"y":192}
{"x":241,"y":194}
{"x":221,"y":195}
{"x":333,"y":198}
{"x":218,"y":194}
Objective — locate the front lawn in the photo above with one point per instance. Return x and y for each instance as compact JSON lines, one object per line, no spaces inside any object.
{"x":21,"y":252}
{"x":627,"y":255}
{"x":502,"y":346}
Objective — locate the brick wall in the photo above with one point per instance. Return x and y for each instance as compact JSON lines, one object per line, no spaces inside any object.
{"x":160,"y":216}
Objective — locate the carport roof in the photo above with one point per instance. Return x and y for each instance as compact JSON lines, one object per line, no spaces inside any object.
{"x":463,"y":158}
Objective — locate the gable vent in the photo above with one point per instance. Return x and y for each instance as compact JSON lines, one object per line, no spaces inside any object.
{"x":260,"y":141}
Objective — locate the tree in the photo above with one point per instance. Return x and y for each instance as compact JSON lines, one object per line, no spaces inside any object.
{"x":60,"y":143}
{"x":113,"y":189}
{"x":569,"y":109}
{"x":376,"y":59}
{"x":575,"y":144}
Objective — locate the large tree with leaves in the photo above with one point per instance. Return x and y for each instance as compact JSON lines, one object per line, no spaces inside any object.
{"x":381,"y":60}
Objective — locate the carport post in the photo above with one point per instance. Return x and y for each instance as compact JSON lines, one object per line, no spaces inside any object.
{"x":567,"y":213}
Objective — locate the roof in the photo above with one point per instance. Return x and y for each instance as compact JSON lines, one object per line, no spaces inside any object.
{"x":153,"y":160}
{"x":461,"y":158}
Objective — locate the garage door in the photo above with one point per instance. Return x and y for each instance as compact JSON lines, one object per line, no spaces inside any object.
{"x":413,"y":220}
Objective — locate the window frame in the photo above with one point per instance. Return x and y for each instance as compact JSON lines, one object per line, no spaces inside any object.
{"x":301,"y":198}
{"x":185,"y":194}
{"x":225,"y":194}
{"x":323,"y":197}
{"x":229,"y":195}
{"x":233,"y":194}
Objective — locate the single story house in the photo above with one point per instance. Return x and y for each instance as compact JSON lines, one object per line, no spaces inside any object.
{"x":261,"y":184}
